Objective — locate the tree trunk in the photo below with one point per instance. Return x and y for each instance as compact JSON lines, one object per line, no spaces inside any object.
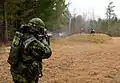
{"x":5,"y":22}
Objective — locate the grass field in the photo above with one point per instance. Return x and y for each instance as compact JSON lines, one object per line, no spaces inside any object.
{"x":76,"y":59}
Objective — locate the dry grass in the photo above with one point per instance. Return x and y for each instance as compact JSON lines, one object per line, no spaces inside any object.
{"x":84,"y":38}
{"x":77,"y":61}
{"x":93,"y":38}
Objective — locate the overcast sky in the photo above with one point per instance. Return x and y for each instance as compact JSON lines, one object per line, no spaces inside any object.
{"x":98,"y":7}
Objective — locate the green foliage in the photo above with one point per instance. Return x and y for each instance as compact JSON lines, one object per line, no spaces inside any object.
{"x":53,"y":12}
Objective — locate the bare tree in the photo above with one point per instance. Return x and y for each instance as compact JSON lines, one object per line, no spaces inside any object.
{"x":110,"y":14}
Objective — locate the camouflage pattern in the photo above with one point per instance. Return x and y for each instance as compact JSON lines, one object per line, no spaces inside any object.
{"x":28,"y":69}
{"x":13,"y":58}
{"x":37,"y":24}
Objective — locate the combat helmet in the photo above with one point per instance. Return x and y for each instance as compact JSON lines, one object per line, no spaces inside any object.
{"x":37,"y":24}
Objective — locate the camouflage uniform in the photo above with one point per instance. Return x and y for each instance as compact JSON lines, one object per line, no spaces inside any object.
{"x":27,"y":67}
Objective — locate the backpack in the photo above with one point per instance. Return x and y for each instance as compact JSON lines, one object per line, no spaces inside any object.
{"x":15,"y":51}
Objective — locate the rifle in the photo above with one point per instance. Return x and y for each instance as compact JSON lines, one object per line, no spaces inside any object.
{"x":45,"y":35}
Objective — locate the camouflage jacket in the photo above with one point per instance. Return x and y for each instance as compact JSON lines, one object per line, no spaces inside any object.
{"x":35,"y":50}
{"x":29,"y":59}
{"x":33,"y":53}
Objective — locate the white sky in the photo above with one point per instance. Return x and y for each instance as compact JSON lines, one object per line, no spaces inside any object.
{"x":98,"y":7}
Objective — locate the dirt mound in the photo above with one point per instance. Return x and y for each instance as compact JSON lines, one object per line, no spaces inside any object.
{"x":86,"y":38}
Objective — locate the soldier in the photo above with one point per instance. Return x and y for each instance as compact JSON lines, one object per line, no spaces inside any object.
{"x":92,"y":31}
{"x":27,"y":51}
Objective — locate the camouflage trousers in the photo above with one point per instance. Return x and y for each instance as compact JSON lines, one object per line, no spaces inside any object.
{"x":21,"y":78}
{"x":29,"y":74}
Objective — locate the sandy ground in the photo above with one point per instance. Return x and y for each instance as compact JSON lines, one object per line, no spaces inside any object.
{"x":76,"y":63}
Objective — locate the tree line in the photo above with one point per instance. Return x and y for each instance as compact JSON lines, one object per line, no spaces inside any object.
{"x":109,"y":25}
{"x":56,"y":16}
